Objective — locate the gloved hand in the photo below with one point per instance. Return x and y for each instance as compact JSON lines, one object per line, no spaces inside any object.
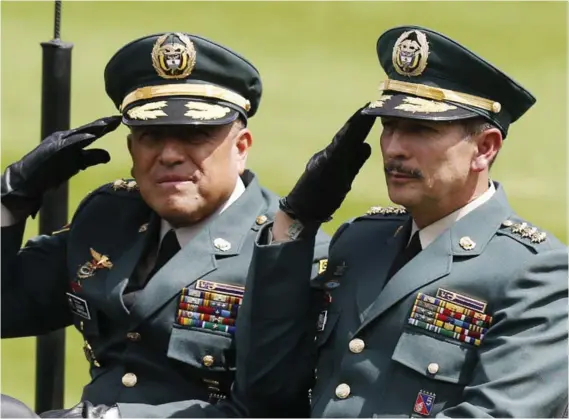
{"x":85,"y":410}
{"x":329,"y":174}
{"x":56,"y":159}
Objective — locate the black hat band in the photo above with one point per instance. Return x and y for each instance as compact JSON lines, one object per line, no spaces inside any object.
{"x":439,"y":94}
{"x":194,"y":90}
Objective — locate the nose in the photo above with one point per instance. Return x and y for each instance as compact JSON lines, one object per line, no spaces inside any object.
{"x":172,"y":152}
{"x":393,"y":144}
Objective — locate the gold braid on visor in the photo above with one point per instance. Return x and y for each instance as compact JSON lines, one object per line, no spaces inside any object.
{"x":439,"y":94}
{"x":197,"y":90}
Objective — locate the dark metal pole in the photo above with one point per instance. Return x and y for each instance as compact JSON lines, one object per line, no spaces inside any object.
{"x":55,"y":114}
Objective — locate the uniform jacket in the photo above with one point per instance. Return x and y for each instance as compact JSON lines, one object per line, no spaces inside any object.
{"x":147,"y":354}
{"x":385,"y":348}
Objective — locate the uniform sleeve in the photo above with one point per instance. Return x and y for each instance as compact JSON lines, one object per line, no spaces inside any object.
{"x":522,"y":366}
{"x":34,"y":283}
{"x":181,"y":409}
{"x":275,"y":338}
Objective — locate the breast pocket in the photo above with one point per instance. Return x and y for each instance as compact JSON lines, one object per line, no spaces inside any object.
{"x":428,"y":374}
{"x":205,"y":350}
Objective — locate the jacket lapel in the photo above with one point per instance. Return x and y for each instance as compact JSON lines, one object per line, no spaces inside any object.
{"x":124,"y":268}
{"x":198,"y":258}
{"x":435,"y":261}
{"x":370,"y":286}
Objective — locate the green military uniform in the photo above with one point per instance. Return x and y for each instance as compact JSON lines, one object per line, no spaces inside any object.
{"x":171,"y":339}
{"x":475,"y":325}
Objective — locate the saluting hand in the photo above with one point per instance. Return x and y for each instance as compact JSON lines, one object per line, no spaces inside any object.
{"x":56,"y":159}
{"x":329,"y":173}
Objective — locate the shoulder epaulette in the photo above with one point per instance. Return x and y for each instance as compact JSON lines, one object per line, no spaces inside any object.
{"x":383,"y":213}
{"x":128,"y":185}
{"x":386,"y":211}
{"x":523,"y":231}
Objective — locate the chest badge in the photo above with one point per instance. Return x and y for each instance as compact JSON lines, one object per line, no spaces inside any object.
{"x":99,"y":261}
{"x":424,"y":403}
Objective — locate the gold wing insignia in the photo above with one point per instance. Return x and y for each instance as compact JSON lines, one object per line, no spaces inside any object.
{"x":102,"y":260}
{"x":96,"y":255}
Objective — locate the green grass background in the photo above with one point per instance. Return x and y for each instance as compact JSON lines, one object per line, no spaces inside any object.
{"x":318,"y":64}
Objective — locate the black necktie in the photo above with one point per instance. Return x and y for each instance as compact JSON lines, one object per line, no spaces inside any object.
{"x":405,"y":255}
{"x":168,"y":248}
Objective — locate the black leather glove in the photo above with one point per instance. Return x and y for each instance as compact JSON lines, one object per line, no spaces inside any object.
{"x":85,"y":410}
{"x":329,"y":174}
{"x":56,"y":159}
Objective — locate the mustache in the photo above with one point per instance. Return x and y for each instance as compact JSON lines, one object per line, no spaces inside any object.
{"x":396,"y":166}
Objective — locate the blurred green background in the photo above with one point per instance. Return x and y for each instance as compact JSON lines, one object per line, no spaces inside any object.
{"x":318,"y":64}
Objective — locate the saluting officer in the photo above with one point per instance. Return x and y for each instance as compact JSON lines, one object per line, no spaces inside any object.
{"x":151,"y":270}
{"x":449,"y":304}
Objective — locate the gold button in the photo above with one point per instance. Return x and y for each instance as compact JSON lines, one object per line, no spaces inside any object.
{"x":466,"y":243}
{"x":261,"y":219}
{"x":357,"y":345}
{"x":81,"y":325}
{"x":208,"y":360}
{"x":342,"y":391}
{"x":433,"y":368}
{"x":129,"y":379}
{"x":133,"y":336}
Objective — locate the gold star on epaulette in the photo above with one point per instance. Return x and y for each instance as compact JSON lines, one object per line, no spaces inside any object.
{"x":525,"y":231}
{"x":130,"y":185}
{"x":386,"y":211}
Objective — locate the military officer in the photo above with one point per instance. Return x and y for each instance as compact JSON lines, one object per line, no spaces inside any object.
{"x":448,"y":304}
{"x":151,"y":270}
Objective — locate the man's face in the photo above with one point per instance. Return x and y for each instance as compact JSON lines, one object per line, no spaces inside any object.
{"x":427,"y":164}
{"x":186,"y":172}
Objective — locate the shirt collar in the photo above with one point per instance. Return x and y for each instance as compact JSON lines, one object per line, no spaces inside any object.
{"x":185,"y":234}
{"x":428,"y":234}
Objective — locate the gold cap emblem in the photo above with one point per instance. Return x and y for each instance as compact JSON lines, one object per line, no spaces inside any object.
{"x":410,"y":53}
{"x":173,"y":56}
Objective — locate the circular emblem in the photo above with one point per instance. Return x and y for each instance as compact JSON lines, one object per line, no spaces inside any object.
{"x":410,"y":53}
{"x":173,"y":56}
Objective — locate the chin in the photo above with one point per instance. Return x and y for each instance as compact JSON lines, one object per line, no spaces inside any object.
{"x":402,"y":197}
{"x":181,"y":217}
{"x":181,"y":211}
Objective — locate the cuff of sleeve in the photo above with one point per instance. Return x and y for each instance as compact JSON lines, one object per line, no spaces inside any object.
{"x":7,"y":219}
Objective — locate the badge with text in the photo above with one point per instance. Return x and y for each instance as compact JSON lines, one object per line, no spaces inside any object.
{"x":322,"y":319}
{"x":322,"y":265}
{"x":78,"y":306}
{"x":424,"y":403}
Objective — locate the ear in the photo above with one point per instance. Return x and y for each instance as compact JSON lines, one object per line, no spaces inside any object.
{"x":243,"y":142}
{"x":488,"y":143}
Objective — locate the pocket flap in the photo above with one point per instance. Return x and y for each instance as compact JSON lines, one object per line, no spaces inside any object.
{"x":201,"y":349}
{"x":446,"y":361}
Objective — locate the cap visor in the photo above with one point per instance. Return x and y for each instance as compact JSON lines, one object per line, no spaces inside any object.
{"x":413,"y":107}
{"x":179,"y":111}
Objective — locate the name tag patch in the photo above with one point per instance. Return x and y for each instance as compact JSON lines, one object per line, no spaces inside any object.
{"x":78,"y":306}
